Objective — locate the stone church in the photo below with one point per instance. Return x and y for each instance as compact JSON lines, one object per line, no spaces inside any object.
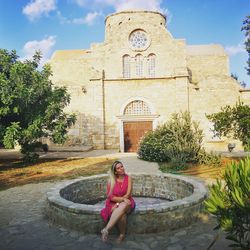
{"x":138,"y":77}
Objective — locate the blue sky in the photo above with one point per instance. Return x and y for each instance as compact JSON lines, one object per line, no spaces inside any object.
{"x":49,"y":25}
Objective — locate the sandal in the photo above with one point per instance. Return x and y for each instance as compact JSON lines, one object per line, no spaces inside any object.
{"x":120,"y":238}
{"x":105,"y":234}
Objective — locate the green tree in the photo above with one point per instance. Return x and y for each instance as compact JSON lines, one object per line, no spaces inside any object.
{"x":246,"y":29}
{"x":233,"y":122}
{"x":234,"y":76}
{"x":30,"y":106}
{"x":242,"y":83}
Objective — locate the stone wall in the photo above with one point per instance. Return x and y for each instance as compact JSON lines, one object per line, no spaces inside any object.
{"x":170,"y":53}
{"x":173,"y":98}
{"x":245,"y":96}
{"x":89,"y":191}
{"x":183,"y":196}
{"x":206,"y":60}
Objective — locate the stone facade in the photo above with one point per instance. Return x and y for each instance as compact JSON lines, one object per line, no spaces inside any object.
{"x":141,"y":65}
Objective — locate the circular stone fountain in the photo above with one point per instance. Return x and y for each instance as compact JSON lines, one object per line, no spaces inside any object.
{"x":76,"y":204}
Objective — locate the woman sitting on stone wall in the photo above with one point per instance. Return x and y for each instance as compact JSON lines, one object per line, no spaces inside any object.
{"x":119,"y":201}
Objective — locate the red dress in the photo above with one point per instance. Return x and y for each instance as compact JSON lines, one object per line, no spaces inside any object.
{"x":120,"y":189}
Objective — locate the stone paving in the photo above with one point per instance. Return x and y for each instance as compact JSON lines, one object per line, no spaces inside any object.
{"x":23,"y":224}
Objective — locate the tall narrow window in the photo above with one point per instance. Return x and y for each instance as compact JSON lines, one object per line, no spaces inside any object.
{"x":151,"y":65}
{"x":139,"y":65}
{"x":126,"y":66}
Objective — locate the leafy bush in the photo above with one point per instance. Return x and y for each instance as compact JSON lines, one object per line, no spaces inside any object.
{"x":178,"y":141}
{"x":28,"y":149}
{"x":247,"y":145}
{"x":233,"y":122}
{"x":208,"y":158}
{"x":230,"y":203}
{"x":178,"y":161}
{"x":153,"y":145}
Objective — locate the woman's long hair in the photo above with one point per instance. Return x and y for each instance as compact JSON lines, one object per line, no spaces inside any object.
{"x":112,"y":177}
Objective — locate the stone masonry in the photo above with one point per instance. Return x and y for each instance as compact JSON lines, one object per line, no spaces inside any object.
{"x":74,"y":204}
{"x":164,"y":73}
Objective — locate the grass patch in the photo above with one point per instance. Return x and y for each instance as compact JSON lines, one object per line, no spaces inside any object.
{"x":14,"y":173}
{"x":199,"y":170}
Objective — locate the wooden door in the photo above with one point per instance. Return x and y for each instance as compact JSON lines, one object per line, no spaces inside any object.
{"x":133,"y":131}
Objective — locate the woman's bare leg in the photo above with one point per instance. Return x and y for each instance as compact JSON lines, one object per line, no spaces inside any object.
{"x":122,"y":228}
{"x":117,"y":214}
{"x":122,"y":224}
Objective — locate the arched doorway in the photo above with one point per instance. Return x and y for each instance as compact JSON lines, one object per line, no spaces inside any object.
{"x":137,"y":120}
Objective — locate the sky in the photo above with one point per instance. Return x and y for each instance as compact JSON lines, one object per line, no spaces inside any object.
{"x":49,"y":25}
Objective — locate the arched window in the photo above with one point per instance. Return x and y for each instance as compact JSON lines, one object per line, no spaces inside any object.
{"x":151,"y":65}
{"x":139,"y":65}
{"x":137,"y":107}
{"x":126,"y":66}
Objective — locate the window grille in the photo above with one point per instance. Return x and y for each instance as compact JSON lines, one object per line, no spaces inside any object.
{"x":126,"y":66}
{"x":151,"y":65}
{"x":137,"y":108}
{"x":139,"y":65}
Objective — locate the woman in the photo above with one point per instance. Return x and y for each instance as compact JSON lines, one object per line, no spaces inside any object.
{"x":119,"y":201}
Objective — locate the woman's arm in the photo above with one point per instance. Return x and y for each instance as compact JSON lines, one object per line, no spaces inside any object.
{"x":117,"y":199}
{"x":113,"y":198}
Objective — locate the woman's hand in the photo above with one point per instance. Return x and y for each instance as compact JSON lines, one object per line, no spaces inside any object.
{"x":127,"y":201}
